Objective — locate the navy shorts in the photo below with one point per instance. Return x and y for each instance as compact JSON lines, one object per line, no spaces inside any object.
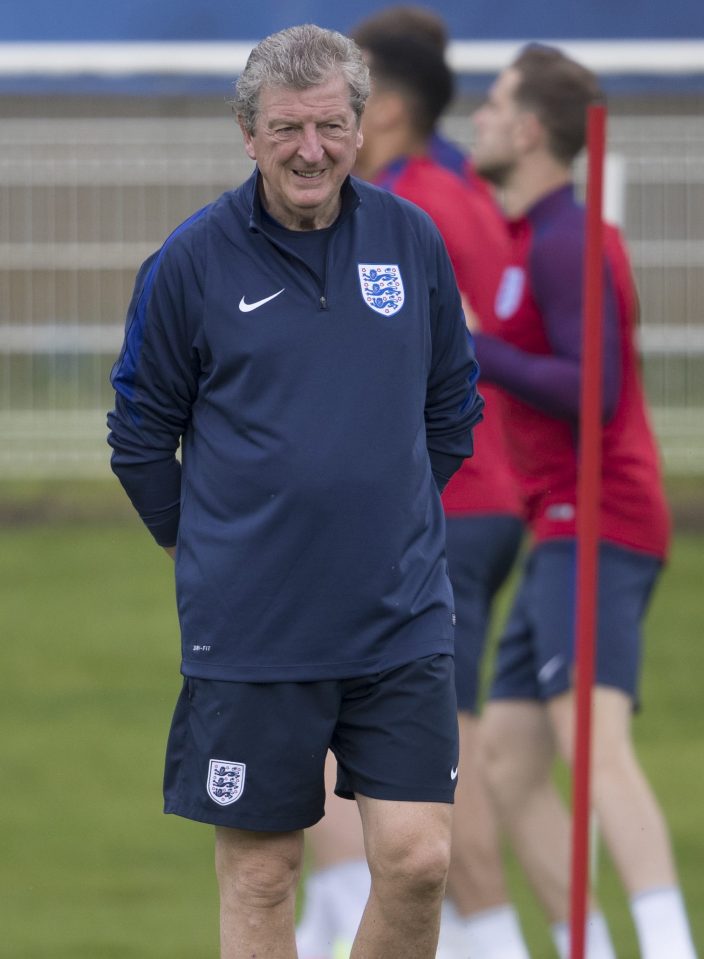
{"x":536,"y":652}
{"x":252,"y":755}
{"x":480,"y":553}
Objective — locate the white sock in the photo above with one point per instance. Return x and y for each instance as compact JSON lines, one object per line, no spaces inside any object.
{"x":493,"y":934}
{"x":661,"y":923}
{"x":450,"y":943}
{"x":598,"y":943}
{"x":347,"y":887}
{"x":314,"y":933}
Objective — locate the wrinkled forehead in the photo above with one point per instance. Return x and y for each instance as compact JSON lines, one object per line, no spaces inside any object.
{"x":330,"y":98}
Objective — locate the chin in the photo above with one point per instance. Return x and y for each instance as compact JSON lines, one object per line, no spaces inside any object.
{"x":492,"y":173}
{"x":308,"y":202}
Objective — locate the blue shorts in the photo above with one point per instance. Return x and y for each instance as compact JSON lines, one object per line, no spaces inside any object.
{"x":480,"y":553}
{"x":536,"y":652}
{"x":252,"y":755}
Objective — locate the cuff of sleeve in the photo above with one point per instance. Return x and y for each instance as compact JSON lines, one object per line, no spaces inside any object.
{"x":164,"y":528}
{"x":444,"y":466}
{"x":155,"y":492}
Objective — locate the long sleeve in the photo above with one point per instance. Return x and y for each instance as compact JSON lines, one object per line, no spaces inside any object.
{"x":551,"y":382}
{"x":454,"y":405}
{"x":155,"y":381}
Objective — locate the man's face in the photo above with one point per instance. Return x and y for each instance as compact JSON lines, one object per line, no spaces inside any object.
{"x":375,"y":119}
{"x":305,"y":143}
{"x":497,"y":130}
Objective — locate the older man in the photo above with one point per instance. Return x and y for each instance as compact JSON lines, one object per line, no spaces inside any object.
{"x":411,"y":86}
{"x":302,"y":339}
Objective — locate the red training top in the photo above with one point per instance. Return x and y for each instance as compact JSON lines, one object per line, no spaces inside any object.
{"x":478,"y":244}
{"x":533,"y":351}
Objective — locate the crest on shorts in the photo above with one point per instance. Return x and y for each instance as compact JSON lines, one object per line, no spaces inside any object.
{"x":382,"y":287}
{"x":510,"y":291}
{"x":225,"y":781}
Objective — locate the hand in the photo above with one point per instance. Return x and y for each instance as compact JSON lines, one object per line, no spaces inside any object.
{"x":471,"y":318}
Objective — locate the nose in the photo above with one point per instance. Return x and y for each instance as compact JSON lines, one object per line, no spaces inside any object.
{"x":310,"y":147}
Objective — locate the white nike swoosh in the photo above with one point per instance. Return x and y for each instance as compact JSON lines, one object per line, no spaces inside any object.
{"x":248,"y":307}
{"x":548,"y":670}
{"x":453,"y":773}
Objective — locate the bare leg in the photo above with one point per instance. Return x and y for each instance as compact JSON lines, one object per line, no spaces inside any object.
{"x":519,"y":751}
{"x":257,"y":875}
{"x":632,"y":824}
{"x":408,"y":850}
{"x":520,"y":741}
{"x":476,"y":879}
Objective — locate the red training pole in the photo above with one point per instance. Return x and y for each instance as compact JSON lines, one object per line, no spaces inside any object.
{"x":588,"y":501}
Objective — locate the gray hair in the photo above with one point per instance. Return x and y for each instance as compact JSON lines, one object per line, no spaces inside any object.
{"x":299,"y":58}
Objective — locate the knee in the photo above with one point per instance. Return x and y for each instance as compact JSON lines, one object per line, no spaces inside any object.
{"x":416,"y":869}
{"x":265,"y":883}
{"x":511,"y":766}
{"x":611,"y":746}
{"x":260,"y":877}
{"x":612,"y":760}
{"x":496,"y":762}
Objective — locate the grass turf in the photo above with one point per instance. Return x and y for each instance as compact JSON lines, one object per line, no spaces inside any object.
{"x":91,"y":869}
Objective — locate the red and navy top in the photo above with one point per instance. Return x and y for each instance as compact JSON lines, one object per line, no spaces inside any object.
{"x":478,"y":244}
{"x":532,"y":348}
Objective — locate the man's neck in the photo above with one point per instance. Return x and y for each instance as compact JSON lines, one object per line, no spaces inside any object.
{"x":530,"y":182}
{"x":385,"y":149}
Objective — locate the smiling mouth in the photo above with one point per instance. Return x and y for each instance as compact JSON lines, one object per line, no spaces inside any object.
{"x":309,"y":174}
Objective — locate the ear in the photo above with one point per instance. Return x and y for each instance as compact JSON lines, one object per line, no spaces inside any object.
{"x":531,"y":133}
{"x":360,"y":138}
{"x":248,"y":141}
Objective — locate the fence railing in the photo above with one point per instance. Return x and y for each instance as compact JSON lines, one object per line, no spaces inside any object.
{"x":85,"y":200}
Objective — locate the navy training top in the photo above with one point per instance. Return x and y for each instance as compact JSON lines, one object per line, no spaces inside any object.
{"x":312,"y":413}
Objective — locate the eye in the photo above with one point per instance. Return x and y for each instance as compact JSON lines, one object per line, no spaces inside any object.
{"x":333,"y":129}
{"x":284,"y":133}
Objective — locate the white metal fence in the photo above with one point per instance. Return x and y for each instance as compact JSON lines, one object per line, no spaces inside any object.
{"x":84,"y":200}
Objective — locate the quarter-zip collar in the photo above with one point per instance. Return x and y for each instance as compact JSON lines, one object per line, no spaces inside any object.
{"x":350,"y":201}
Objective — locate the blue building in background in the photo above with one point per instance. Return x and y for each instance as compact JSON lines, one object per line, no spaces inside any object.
{"x":198,"y":20}
{"x":47,"y":47}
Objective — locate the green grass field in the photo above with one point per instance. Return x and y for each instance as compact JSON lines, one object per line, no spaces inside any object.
{"x":90,"y":868}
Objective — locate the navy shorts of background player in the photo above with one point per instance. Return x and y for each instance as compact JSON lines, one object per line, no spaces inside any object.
{"x":536,"y":652}
{"x":481,"y":550}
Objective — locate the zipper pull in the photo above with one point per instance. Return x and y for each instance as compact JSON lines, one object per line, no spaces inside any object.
{"x":323,"y":303}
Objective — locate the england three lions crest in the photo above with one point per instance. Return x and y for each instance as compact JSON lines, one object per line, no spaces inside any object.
{"x":382,"y":287}
{"x":225,"y":781}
